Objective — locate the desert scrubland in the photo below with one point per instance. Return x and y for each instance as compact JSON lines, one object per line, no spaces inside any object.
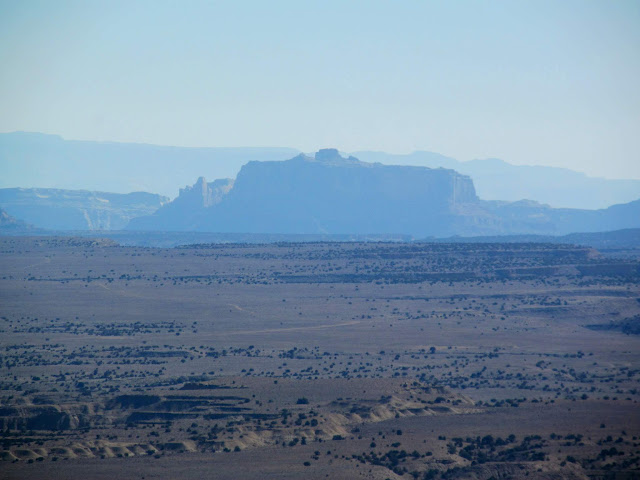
{"x":317,"y":360}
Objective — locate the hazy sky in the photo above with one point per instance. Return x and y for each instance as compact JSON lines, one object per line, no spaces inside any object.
{"x":535,"y":82}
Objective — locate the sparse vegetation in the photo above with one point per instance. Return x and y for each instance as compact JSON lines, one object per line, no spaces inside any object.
{"x":419,"y":360}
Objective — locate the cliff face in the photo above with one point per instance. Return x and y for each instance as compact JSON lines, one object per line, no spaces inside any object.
{"x":203,"y":194}
{"x":322,"y":194}
{"x":9,"y":224}
{"x":329,"y":194}
{"x":495,"y":179}
{"x":184,"y":212}
{"x":56,"y":209}
{"x":327,"y":178}
{"x":528,"y":217}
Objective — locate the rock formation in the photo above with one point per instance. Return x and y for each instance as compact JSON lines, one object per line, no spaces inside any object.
{"x":56,"y":209}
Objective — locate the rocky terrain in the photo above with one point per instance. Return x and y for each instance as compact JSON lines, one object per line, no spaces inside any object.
{"x":43,"y":161}
{"x":330,"y":194}
{"x":496,"y":179}
{"x":53,"y":209}
{"x":10,"y":225}
{"x":185,"y":212}
{"x":323,"y":194}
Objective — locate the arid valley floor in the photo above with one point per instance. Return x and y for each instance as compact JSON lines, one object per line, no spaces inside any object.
{"x":317,"y":360}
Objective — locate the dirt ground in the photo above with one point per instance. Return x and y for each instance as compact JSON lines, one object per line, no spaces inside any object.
{"x":317,"y":360}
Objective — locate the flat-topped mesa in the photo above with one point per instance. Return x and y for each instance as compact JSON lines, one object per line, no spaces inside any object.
{"x":328,"y":193}
{"x":323,"y":193}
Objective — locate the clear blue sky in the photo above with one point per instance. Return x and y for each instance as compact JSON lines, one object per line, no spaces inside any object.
{"x":531,"y":82}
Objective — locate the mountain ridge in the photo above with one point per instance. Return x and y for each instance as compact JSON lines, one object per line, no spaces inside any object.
{"x":50,"y":161}
{"x":44,"y":161}
{"x":329,"y":194}
{"x":61,"y":209}
{"x":496,"y":179}
{"x":307,"y":195}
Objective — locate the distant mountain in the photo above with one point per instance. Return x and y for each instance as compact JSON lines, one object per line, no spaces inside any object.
{"x":185,"y":211}
{"x":56,"y":209}
{"x":329,"y":194}
{"x":498,"y":180}
{"x":44,"y":161}
{"x":527,"y":217}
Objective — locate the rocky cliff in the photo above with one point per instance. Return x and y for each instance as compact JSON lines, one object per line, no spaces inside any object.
{"x":185,"y":212}
{"x":56,"y":209}
{"x":12,"y":225}
{"x":329,"y":194}
{"x":325,"y":193}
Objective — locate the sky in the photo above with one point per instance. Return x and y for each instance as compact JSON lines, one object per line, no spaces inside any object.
{"x":531,"y":82}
